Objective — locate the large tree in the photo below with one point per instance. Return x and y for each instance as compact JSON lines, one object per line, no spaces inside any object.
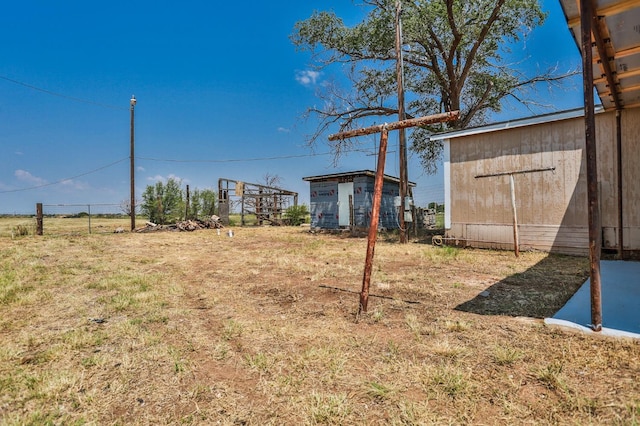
{"x":453,"y":54}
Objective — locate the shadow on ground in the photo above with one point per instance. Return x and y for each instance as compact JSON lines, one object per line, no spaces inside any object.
{"x":538,"y":292}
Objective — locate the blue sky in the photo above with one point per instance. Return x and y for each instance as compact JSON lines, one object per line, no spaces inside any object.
{"x":216,"y":83}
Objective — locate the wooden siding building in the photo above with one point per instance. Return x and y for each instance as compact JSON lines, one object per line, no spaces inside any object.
{"x":545,"y":156}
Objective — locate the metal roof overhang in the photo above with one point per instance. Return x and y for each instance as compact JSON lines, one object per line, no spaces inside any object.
{"x":615,"y":47}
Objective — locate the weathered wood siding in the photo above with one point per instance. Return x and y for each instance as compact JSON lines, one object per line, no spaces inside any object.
{"x":551,"y":205}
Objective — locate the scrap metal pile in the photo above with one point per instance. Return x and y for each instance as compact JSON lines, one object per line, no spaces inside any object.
{"x":185,"y":225}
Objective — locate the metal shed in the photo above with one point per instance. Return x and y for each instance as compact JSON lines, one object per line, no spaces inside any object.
{"x":343,"y":200}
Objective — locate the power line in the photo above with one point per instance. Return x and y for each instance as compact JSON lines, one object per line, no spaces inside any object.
{"x":65,"y":179}
{"x":60,"y":95}
{"x":234,"y":160}
{"x":239,"y":160}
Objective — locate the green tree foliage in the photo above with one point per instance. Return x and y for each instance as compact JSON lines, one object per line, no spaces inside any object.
{"x":297,"y":215}
{"x":439,"y":208}
{"x":202,"y":204}
{"x":163,"y":203}
{"x":453,"y":60}
{"x":194,"y":210}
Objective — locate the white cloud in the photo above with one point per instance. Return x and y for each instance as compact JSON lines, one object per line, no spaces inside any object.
{"x":19,"y":153}
{"x":283,"y":130}
{"x":156,"y":178}
{"x":25,"y":176}
{"x":164,"y":179}
{"x":74,"y":184}
{"x":141,"y":169}
{"x":307,"y":77}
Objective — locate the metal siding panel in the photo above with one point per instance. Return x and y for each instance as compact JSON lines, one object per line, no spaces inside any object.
{"x":388,"y":212}
{"x":324,"y":205}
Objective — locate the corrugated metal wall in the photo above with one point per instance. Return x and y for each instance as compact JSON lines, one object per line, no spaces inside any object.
{"x":551,"y":205}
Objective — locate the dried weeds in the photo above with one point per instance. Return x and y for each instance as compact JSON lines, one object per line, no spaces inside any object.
{"x":196,"y":328}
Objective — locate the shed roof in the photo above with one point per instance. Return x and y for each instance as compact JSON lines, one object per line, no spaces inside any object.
{"x":616,"y":49}
{"x":512,"y":124}
{"x":368,"y":173}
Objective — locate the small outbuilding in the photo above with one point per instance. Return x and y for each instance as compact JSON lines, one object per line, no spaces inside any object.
{"x":344,"y":200}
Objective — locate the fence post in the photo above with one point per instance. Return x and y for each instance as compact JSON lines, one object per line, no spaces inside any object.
{"x":39,"y":229}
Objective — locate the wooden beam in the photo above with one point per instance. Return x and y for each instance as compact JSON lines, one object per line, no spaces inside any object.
{"x":620,"y":75}
{"x":613,"y":9}
{"x":629,"y":88}
{"x":596,"y":29}
{"x":403,"y":124}
{"x":621,"y":54}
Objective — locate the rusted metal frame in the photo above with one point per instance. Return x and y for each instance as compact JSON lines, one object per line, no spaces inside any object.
{"x":258,"y":205}
{"x":620,"y":188}
{"x":242,"y":209}
{"x":404,"y":124}
{"x":516,"y":172}
{"x":586,"y":20}
{"x":373,"y":226}
{"x":250,"y":190}
{"x":605,"y":60}
{"x":271,"y":189}
{"x":223,"y":200}
{"x":379,"y":181}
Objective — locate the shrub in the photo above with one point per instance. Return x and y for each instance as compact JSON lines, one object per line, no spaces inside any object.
{"x":296,"y":215}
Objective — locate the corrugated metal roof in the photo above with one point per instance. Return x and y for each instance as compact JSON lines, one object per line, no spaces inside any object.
{"x":616,"y":49}
{"x":512,"y":124}
{"x":369,"y":173}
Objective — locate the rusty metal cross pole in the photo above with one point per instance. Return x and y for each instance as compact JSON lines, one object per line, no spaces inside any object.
{"x":383,"y":129}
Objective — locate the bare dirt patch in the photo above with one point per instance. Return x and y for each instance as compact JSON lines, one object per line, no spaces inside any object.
{"x":261,"y":328}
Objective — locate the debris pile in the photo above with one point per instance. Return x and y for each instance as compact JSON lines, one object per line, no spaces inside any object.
{"x":185,"y":225}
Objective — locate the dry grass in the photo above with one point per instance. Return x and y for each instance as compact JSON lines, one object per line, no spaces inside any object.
{"x":195,"y":328}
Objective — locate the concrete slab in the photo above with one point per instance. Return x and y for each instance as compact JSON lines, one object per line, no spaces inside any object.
{"x":620,"y":302}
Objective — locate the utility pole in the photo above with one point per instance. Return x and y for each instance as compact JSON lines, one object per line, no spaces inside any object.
{"x":133,"y":170}
{"x":402,"y":141}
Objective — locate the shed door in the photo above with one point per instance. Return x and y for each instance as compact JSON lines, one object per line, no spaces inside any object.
{"x":344,"y":191}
